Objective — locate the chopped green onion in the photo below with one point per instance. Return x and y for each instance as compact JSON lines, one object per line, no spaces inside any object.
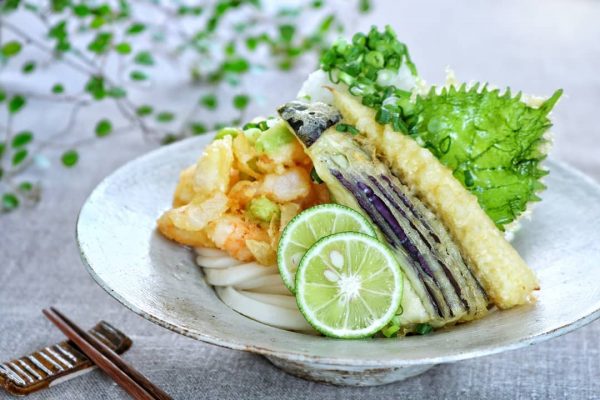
{"x":345,"y":77}
{"x":368,"y":65}
{"x":359,"y":39}
{"x":263,"y":125}
{"x":375,"y":58}
{"x":423,"y":329}
{"x":347,"y":128}
{"x":390,"y":331}
{"x":315,"y":176}
{"x":399,"y":125}
{"x":383,"y":116}
{"x":333,"y":79}
{"x":250,"y":125}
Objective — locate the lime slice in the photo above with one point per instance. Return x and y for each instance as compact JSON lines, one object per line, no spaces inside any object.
{"x":308,"y":227}
{"x":348,"y":285}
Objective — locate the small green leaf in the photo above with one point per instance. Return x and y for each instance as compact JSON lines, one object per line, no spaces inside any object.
{"x":286,"y":64}
{"x":16,"y":104}
{"x":326,"y":23}
{"x":364,"y":6}
{"x":81,"y":10}
{"x":97,"y":22}
{"x":286,"y":32}
{"x":144,"y":58}
{"x":123,"y":48}
{"x":138,"y":75}
{"x":169,"y":138}
{"x":103,"y":10}
{"x":103,"y":128}
{"x":2,"y":95}
{"x":62,"y":45}
{"x":116,"y":92}
{"x":251,"y":43}
{"x":10,"y":5}
{"x":58,"y":31}
{"x":19,"y":156}
{"x":9,"y":202}
{"x":230,"y":49}
{"x":236,"y":65}
{"x":136,"y":28}
{"x":198,"y":128}
{"x":11,"y":49}
{"x":59,"y":5}
{"x":101,"y":43}
{"x":209,"y":101}
{"x":58,"y":88}
{"x":2,"y":147}
{"x":241,"y":101}
{"x":70,"y":158}
{"x":144,"y":110}
{"x":28,"y":67}
{"x":187,"y":10}
{"x":25,"y":186}
{"x":21,"y":139}
{"x":124,"y":9}
{"x":95,"y":87}
{"x":165,"y":116}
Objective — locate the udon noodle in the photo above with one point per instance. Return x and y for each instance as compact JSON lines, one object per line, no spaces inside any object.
{"x":251,"y":289}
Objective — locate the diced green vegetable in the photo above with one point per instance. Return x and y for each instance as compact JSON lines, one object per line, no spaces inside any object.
{"x":252,"y":134}
{"x":263,"y":209}
{"x":233,"y":132}
{"x":273,"y":138}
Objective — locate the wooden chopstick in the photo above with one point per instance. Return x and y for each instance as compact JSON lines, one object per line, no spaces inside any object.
{"x":132,"y":381}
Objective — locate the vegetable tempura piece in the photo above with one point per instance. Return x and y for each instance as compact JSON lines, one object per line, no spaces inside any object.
{"x":501,"y":270}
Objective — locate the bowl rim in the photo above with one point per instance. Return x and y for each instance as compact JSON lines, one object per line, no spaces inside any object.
{"x":324,"y":360}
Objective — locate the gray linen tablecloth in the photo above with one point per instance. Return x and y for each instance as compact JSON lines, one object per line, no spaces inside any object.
{"x":535,"y":46}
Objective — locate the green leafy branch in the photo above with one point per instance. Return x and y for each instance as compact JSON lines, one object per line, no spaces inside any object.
{"x":114,"y":49}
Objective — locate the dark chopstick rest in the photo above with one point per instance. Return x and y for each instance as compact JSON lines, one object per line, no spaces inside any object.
{"x":57,"y":363}
{"x":132,"y":381}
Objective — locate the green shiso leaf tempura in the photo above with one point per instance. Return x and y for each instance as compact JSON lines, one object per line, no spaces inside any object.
{"x":494,"y":143}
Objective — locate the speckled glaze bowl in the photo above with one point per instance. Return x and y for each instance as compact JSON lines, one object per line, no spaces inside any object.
{"x":158,"y":279}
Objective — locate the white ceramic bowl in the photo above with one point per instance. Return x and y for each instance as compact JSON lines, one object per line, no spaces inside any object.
{"x":159,"y":280}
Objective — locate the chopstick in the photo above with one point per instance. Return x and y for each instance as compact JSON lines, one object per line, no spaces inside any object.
{"x":132,"y":381}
